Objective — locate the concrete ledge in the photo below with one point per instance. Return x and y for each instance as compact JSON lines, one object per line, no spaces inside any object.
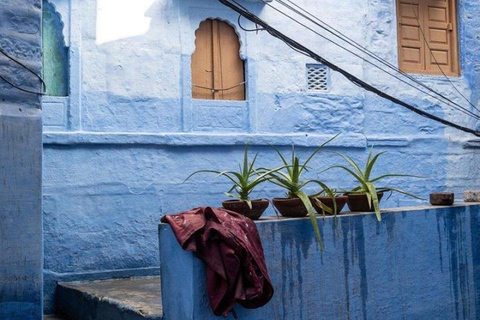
{"x":201,"y":139}
{"x":418,"y":263}
{"x":126,"y":299}
{"x":51,"y":279}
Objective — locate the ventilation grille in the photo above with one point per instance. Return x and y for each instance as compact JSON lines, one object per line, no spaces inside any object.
{"x":317,"y":77}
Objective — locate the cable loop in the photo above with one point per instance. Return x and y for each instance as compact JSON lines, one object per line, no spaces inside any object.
{"x":221,"y":89}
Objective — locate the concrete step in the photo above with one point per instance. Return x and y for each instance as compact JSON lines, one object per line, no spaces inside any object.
{"x":119,"y":299}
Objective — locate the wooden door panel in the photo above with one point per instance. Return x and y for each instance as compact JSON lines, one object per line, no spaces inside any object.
{"x":202,"y":63}
{"x":216,"y":63}
{"x":229,"y":66}
{"x":411,"y":47}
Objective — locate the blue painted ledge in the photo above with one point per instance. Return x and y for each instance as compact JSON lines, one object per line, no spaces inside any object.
{"x":418,"y":263}
{"x":202,"y":139}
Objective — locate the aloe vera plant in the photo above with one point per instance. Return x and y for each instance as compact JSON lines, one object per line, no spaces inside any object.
{"x":367,"y":183}
{"x":244,"y":180}
{"x":327,"y":192}
{"x":290,"y":178}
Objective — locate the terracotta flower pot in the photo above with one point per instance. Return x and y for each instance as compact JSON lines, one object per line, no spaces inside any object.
{"x":358,"y":202}
{"x":290,"y":207}
{"x":241,"y":207}
{"x":328,"y":201}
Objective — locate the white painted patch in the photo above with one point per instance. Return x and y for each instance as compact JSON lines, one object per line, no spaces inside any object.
{"x":120,"y":19}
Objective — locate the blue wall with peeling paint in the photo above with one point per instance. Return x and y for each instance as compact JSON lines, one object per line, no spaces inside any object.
{"x":418,"y":263}
{"x":21,"y":254}
{"x":118,"y":148}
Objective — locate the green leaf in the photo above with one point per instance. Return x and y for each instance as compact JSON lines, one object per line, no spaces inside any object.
{"x":317,"y":150}
{"x":370,"y":163}
{"x":313,"y":218}
{"x":374,"y":197}
{"x":395,"y":175}
{"x":285,"y":162}
{"x":352,"y":164}
{"x":200,"y":171}
{"x":245,"y":161}
{"x":359,"y":178}
{"x":323,"y":206}
{"x":403,"y":192}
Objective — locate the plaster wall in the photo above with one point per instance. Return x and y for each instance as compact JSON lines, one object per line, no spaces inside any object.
{"x":119,"y":147}
{"x":21,"y":255}
{"x":418,"y":263}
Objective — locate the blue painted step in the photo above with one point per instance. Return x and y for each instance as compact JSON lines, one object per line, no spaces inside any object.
{"x":119,"y":299}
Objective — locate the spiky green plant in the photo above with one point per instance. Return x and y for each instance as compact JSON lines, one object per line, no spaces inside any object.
{"x":327,"y":192}
{"x":290,"y":178}
{"x":244,"y":180}
{"x":367,"y":184}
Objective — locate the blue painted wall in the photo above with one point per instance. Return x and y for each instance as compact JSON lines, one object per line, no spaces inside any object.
{"x":418,"y":263}
{"x":21,"y":256}
{"x":118,"y":148}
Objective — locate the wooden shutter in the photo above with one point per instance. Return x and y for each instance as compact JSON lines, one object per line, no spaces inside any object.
{"x":427,"y":36}
{"x":441,"y":36}
{"x":411,"y":44}
{"x":216,"y":63}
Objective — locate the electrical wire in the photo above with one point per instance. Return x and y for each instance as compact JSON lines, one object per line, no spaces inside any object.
{"x":18,"y":87}
{"x":234,"y":5}
{"x":219,"y":90}
{"x":436,"y":62}
{"x":356,"y":45}
{"x":451,"y":104}
{"x":44,"y":86}
{"x":245,"y":29}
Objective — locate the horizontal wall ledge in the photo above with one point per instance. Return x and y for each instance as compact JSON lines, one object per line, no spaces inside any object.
{"x":202,"y":139}
{"x":344,"y":140}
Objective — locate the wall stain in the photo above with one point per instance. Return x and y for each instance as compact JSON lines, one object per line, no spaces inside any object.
{"x":474,"y":241}
{"x":454,"y":230}
{"x":291,"y":240}
{"x":354,"y":228}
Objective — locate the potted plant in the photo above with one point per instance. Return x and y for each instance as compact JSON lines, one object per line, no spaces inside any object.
{"x":366,"y":197}
{"x":297,"y":203}
{"x":328,"y":201}
{"x":244,"y":181}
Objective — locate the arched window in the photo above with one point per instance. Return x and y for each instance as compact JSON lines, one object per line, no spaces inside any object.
{"x":55,"y":53}
{"x":217,"y":69}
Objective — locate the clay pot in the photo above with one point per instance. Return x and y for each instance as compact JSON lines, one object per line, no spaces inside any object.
{"x":358,"y":202}
{"x":442,"y":198}
{"x":241,"y":207}
{"x":328,"y":201}
{"x":290,"y":207}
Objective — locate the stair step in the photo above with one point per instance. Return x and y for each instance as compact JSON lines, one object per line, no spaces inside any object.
{"x":118,"y":299}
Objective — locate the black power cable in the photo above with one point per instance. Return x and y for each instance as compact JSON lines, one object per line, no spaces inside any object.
{"x":44,"y":86}
{"x":322,"y":24}
{"x":277,"y":34}
{"x":454,"y":106}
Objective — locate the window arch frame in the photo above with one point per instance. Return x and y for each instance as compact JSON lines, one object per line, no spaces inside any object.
{"x":194,"y":111}
{"x":216,"y":57}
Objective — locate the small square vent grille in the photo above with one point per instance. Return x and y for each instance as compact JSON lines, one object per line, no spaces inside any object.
{"x":317,"y":77}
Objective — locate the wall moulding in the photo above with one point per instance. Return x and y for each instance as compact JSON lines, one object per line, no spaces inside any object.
{"x":202,"y":139}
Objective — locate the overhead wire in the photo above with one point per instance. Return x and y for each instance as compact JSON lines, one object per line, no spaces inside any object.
{"x":44,"y":86}
{"x":452,"y":104}
{"x":234,"y":5}
{"x":325,"y":26}
{"x":436,"y":62}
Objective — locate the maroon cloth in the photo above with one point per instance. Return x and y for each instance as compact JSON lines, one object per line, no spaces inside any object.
{"x":229,"y":245}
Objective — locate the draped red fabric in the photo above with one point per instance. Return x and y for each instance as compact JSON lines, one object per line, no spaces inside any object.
{"x":229,"y":245}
